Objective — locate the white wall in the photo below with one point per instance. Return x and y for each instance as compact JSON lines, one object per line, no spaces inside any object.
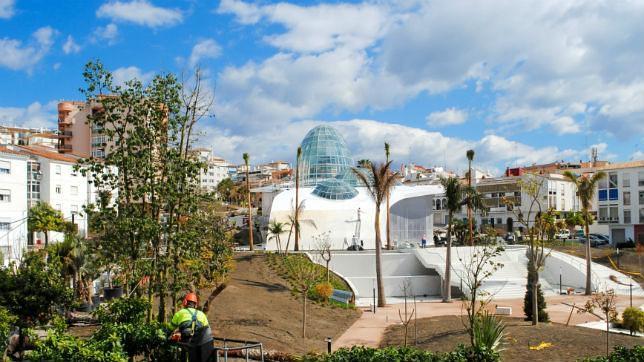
{"x":14,"y":241}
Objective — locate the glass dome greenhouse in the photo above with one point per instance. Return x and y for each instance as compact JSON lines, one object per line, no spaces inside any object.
{"x":334,"y":189}
{"x":324,"y":155}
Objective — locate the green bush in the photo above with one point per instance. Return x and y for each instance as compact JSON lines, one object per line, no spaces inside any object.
{"x":621,"y":354}
{"x":7,"y":321}
{"x":404,"y":354}
{"x":62,"y":347}
{"x":633,"y":319}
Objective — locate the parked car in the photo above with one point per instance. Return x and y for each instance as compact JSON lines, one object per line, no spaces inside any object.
{"x":594,"y":241}
{"x":625,"y":244}
{"x":563,"y":234}
{"x":602,"y":237}
{"x":579,"y":234}
{"x":510,"y":238}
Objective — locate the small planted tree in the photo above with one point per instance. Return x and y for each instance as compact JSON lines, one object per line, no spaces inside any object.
{"x":407,"y":316}
{"x":633,"y":319}
{"x":44,"y":218}
{"x":476,"y":269}
{"x":528,"y":300}
{"x":605,"y":303}
{"x":323,"y":250}
{"x":303,"y":276}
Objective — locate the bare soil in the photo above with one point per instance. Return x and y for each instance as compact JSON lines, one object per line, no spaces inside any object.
{"x":258,"y":305}
{"x":568,"y":343}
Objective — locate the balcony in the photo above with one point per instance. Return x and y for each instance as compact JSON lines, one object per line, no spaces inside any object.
{"x":608,"y":220}
{"x":64,"y":148}
{"x":65,"y":134}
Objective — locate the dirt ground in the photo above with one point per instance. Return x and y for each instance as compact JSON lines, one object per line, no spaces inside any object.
{"x":258,"y":305}
{"x":568,"y":343}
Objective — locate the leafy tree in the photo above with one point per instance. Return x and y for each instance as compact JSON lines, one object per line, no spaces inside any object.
{"x":574,"y":219}
{"x":379,"y":183}
{"x":225,"y":189}
{"x":457,"y":195}
{"x":528,"y":299}
{"x":276,"y":229}
{"x":44,"y":218}
{"x":633,"y":319}
{"x":586,"y":186}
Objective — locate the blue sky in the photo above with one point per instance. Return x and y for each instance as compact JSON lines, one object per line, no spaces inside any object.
{"x":519,"y":82}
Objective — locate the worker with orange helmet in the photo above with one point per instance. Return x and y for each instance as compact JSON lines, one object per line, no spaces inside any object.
{"x":192,"y":327}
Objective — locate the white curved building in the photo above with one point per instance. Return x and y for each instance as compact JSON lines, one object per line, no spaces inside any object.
{"x":335,"y":202}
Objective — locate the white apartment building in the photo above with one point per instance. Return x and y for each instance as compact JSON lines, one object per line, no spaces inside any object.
{"x":620,"y":201}
{"x":217,"y":169}
{"x":48,"y":176}
{"x":13,"y":205}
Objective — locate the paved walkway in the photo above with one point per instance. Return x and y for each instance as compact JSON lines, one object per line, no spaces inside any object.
{"x":370,"y":328}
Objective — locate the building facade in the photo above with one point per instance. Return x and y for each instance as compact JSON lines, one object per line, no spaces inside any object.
{"x":13,"y":205}
{"x":217,"y":169}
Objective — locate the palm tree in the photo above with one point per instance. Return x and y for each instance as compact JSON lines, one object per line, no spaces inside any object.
{"x":573,"y":219}
{"x":250,"y":207}
{"x":296,"y":217}
{"x":457,"y":195}
{"x":388,"y":194}
{"x":276,"y":228}
{"x":378,"y":186}
{"x":585,"y":191}
{"x":470,"y":157}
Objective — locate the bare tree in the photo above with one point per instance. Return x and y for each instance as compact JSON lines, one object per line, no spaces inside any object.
{"x":408,"y":316}
{"x":476,"y":269}
{"x":304,"y":275}
{"x":605,"y":302}
{"x":323,"y":249}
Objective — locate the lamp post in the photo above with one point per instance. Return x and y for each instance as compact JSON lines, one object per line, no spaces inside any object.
{"x":560,"y":281}
{"x":328,"y":344}
{"x":629,"y":285}
{"x":617,"y":250}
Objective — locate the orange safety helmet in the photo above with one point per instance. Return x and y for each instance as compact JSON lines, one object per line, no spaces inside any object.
{"x":190,"y":297}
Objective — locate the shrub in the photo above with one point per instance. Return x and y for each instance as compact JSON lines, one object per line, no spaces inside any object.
{"x":488,"y":332}
{"x":621,"y":354}
{"x":324,"y":290}
{"x":123,"y":310}
{"x":633,"y":319}
{"x":7,"y":321}
{"x":404,"y":354}
{"x":541,"y":302}
{"x":60,"y":347}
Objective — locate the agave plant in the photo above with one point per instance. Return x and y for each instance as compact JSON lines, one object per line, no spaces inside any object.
{"x":489,"y":332}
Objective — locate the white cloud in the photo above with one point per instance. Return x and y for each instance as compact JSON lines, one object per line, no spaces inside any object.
{"x":245,"y":13}
{"x":70,"y":46}
{"x":36,"y":115}
{"x":124,"y":74}
{"x":19,"y":56}
{"x":448,"y":117}
{"x":204,"y":49}
{"x":6,"y":9}
{"x":140,"y":12}
{"x":107,"y":34}
{"x":637,"y":156}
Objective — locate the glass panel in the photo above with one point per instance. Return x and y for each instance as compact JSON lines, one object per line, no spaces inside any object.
{"x":612,"y":194}
{"x":626,"y":180}
{"x":612,"y":180}
{"x":603,"y":195}
{"x":627,"y":197}
{"x":627,"y":216}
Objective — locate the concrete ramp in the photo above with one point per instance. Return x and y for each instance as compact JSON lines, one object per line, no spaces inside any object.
{"x":359,"y":268}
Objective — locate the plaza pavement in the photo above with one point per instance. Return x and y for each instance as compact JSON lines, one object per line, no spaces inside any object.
{"x":370,"y":328}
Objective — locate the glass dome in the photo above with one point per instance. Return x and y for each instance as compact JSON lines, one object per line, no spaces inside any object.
{"x":334,"y":189}
{"x":324,"y":155}
{"x":352,"y":179}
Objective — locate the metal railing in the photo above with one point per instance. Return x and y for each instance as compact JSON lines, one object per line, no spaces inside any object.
{"x":241,"y":349}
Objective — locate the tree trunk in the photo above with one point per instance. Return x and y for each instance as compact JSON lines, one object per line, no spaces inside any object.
{"x":250,"y":214}
{"x":381,"y":290}
{"x":469,"y":204}
{"x":288,"y":242}
{"x":535,"y":299}
{"x":46,"y":238}
{"x":327,"y":271}
{"x":588,"y":261}
{"x":607,"y":333}
{"x":389,"y":246}
{"x":296,"y":245}
{"x":304,"y":314}
{"x":447,"y":293}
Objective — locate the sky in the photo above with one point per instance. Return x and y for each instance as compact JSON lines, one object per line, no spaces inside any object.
{"x":519,"y":82}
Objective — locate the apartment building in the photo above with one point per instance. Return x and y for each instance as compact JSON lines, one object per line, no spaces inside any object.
{"x":21,"y":136}
{"x":48,"y":176}
{"x":74,"y":131}
{"x":13,"y":205}
{"x":620,"y":201}
{"x":217,"y":169}
{"x":556,"y":192}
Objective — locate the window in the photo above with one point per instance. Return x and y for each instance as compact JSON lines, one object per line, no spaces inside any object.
{"x":641,"y":198}
{"x":612,"y":180}
{"x":640,"y":178}
{"x":627,"y":216}
{"x":614,"y":214}
{"x":5,"y":225}
{"x":57,"y":169}
{"x":58,"y":189}
{"x":626,"y":180}
{"x":603,"y":213}
{"x":5,"y":196}
{"x":58,"y":207}
{"x":5,"y":167}
{"x":74,"y":190}
{"x":74,"y":208}
{"x":626,"y":195}
{"x":603,"y":183}
{"x":612,"y":194}
{"x":499,"y":220}
{"x":641,"y":215}
{"x":603,"y":195}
